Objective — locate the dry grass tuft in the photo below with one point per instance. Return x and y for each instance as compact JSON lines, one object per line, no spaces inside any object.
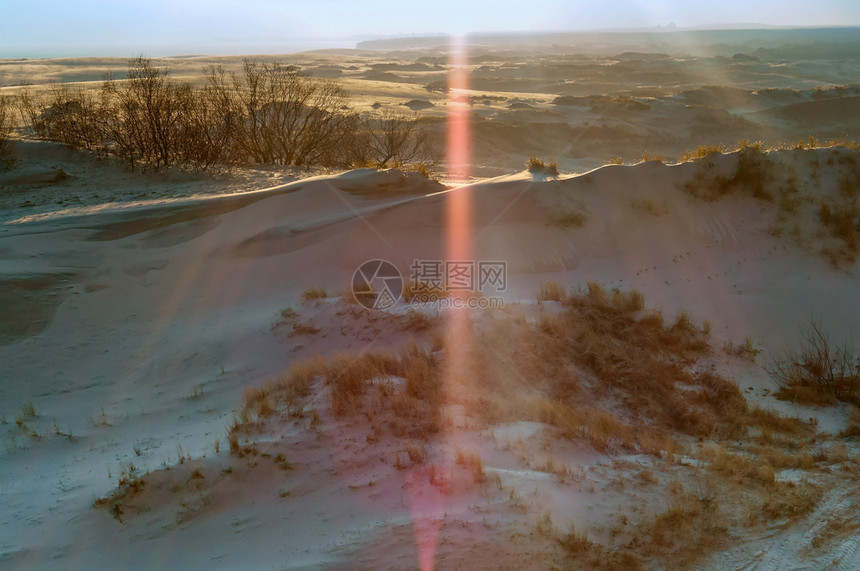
{"x":753,"y":175}
{"x":552,"y":291}
{"x":314,"y":293}
{"x":536,"y":165}
{"x":746,"y":350}
{"x":648,"y":158}
{"x":570,"y":218}
{"x":284,"y":394}
{"x":700,"y":152}
{"x":475,"y":464}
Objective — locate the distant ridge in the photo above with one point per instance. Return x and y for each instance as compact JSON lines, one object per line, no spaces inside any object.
{"x":724,"y":41}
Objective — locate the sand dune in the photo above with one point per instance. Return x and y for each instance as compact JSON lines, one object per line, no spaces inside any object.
{"x":190,"y":380}
{"x":148,"y":321}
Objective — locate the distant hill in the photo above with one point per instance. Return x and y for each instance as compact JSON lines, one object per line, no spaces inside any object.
{"x":727,"y":42}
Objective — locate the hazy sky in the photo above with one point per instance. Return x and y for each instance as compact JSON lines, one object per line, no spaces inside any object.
{"x":161,"y":27}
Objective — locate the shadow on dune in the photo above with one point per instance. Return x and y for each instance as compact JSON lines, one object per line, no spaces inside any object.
{"x":28,"y":304}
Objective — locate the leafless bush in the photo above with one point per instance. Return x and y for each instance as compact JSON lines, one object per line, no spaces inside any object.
{"x":286,"y":116}
{"x":204,"y":138}
{"x":819,"y":368}
{"x":269,"y":113}
{"x":395,"y":139}
{"x":30,"y":105}
{"x":74,"y":117}
{"x":7,"y":146}
{"x":143,"y":114}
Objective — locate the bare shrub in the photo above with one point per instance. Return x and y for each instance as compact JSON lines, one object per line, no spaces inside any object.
{"x":30,"y":105}
{"x":143,"y":115}
{"x":74,"y":117}
{"x":287,"y":117}
{"x":205,"y":130}
{"x":819,"y":370}
{"x":7,"y":146}
{"x":395,"y":139}
{"x":270,"y":113}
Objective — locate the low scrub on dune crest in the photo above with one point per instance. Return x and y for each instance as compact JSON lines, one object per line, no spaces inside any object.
{"x":700,"y":152}
{"x":827,"y":217}
{"x":537,"y":165}
{"x":753,"y":175}
{"x":648,"y":158}
{"x":314,"y":293}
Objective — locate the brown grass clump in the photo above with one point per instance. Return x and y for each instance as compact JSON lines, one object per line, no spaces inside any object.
{"x":417,"y":321}
{"x":746,"y":350}
{"x":536,"y":165}
{"x":700,"y":152}
{"x":690,"y":528}
{"x":349,"y":376}
{"x":753,"y":175}
{"x":552,"y":291}
{"x":365,"y":383}
{"x":841,"y":219}
{"x":423,"y":291}
{"x":606,"y":347}
{"x":648,"y":157}
{"x":413,"y":453}
{"x":130,"y":483}
{"x":571,"y":218}
{"x":475,"y":464}
{"x":284,"y":394}
{"x":314,"y":293}
{"x":836,"y":527}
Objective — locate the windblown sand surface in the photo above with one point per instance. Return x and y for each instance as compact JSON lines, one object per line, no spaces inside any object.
{"x":175,"y":346}
{"x":133,"y":331}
